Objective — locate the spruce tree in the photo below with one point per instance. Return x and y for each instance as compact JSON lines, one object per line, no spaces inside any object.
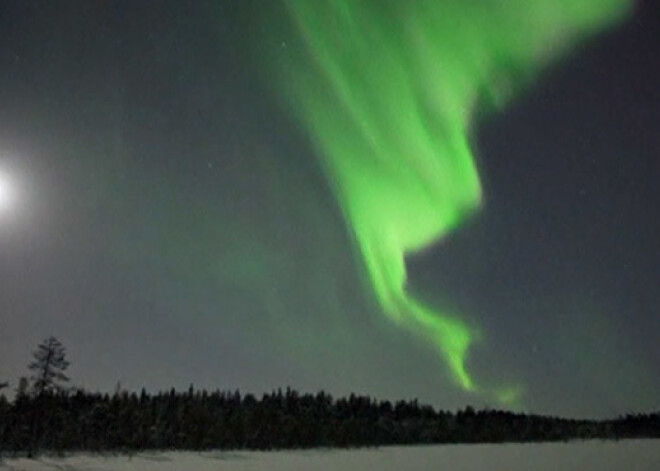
{"x":48,"y":366}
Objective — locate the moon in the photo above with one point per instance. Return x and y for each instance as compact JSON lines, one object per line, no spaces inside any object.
{"x":6,"y":192}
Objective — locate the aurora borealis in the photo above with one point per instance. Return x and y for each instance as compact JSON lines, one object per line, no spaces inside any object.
{"x":388,"y":91}
{"x":455,"y":201}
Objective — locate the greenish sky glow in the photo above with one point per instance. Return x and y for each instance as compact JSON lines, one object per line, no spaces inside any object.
{"x":388,"y":90}
{"x":448,"y":200}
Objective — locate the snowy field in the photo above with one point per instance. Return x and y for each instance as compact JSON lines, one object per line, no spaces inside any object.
{"x":629,"y":455}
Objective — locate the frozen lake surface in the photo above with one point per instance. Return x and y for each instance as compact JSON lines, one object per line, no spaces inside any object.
{"x":628,"y":455}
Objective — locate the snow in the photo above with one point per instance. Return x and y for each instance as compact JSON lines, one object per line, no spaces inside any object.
{"x":628,"y":455}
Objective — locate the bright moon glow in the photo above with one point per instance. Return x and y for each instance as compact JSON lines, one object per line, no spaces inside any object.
{"x":6,"y":192}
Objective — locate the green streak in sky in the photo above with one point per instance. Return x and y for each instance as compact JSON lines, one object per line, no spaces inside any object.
{"x":388,"y":89}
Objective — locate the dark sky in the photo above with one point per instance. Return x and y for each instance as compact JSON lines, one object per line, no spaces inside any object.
{"x":171,"y":223}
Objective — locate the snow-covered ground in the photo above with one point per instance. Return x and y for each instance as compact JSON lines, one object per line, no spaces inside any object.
{"x":629,"y":455}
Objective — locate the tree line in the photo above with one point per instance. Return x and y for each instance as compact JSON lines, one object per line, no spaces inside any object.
{"x":47,"y":416}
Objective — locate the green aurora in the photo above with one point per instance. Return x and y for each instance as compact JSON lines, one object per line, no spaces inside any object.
{"x":388,"y":91}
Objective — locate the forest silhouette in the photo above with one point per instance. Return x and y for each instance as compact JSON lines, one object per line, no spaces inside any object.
{"x":48,"y":416}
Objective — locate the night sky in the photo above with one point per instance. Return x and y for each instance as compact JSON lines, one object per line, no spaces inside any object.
{"x":169,"y":220}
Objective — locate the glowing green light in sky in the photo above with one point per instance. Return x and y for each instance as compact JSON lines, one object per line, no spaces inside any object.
{"x":388,"y":89}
